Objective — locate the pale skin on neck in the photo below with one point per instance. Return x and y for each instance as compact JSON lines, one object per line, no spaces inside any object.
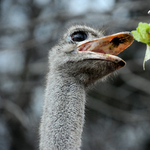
{"x":63,"y":122}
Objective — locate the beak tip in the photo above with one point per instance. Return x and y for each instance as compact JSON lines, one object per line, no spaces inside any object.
{"x":121,"y":63}
{"x":130,"y":33}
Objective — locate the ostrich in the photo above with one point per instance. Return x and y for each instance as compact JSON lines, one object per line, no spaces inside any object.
{"x":82,"y":57}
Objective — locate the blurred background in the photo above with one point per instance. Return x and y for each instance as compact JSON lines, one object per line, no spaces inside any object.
{"x":117,"y":111}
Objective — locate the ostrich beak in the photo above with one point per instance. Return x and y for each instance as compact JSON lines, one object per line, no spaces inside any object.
{"x":108,"y":46}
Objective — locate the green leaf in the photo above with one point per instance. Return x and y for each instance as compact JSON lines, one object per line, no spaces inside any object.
{"x":142,"y":34}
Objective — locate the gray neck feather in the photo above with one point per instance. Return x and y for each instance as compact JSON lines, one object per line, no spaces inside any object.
{"x":63,"y":113}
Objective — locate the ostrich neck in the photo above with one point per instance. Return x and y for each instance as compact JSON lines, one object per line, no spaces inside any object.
{"x":63,"y":114}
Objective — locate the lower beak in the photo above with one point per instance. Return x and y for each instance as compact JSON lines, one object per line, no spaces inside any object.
{"x":108,"y":45}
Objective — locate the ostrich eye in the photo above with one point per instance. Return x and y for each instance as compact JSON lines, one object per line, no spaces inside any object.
{"x":79,"y":36}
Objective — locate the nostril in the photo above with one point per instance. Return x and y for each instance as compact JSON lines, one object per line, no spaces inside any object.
{"x":121,"y":63}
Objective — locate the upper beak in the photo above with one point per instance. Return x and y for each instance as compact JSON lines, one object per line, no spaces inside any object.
{"x":108,"y":45}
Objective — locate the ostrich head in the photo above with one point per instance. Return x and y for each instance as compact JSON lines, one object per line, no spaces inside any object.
{"x":85,"y":54}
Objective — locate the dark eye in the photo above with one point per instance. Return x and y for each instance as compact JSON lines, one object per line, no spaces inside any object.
{"x":79,"y":36}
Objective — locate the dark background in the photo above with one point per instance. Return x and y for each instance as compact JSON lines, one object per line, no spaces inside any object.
{"x":117,"y":111}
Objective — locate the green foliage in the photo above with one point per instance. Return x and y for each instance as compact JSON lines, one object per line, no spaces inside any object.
{"x":142,"y":34}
